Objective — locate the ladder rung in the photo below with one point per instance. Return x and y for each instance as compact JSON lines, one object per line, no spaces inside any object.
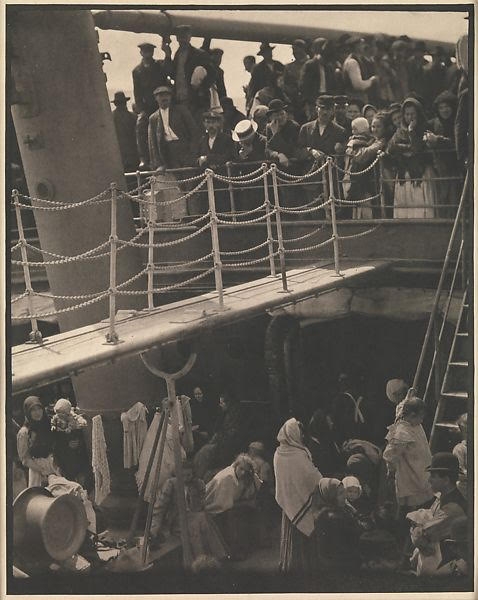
{"x":463,"y":395}
{"x":459,"y":363}
{"x":445,"y":425}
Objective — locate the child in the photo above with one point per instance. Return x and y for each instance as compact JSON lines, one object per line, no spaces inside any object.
{"x":66,"y":418}
{"x":461,"y":453}
{"x":407,"y":455}
{"x":359,"y":506}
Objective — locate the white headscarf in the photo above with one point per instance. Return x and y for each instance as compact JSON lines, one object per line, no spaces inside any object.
{"x":296,"y":477}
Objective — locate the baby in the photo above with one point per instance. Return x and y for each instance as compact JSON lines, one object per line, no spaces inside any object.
{"x":66,"y":418}
{"x":356,"y":504}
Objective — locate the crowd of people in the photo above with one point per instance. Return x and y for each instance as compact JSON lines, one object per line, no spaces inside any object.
{"x":354,"y":98}
{"x":356,"y":487}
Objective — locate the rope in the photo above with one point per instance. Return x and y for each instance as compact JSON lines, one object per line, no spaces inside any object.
{"x":248,"y":263}
{"x":302,"y":177}
{"x":357,"y":201}
{"x":99,"y":199}
{"x":185,"y":264}
{"x":248,"y":182}
{"x":18,"y":298}
{"x":306,"y":249}
{"x":167,"y":244}
{"x":357,"y":235}
{"x":173,"y":200}
{"x":131,"y":279}
{"x":67,"y":259}
{"x":246,"y":251}
{"x":246,"y":175}
{"x":79,"y":297}
{"x":303,"y":237}
{"x":16,"y":247}
{"x":305,"y":210}
{"x":245,"y":212}
{"x":261,"y":218}
{"x":62,"y":310}
{"x":168,"y":288}
{"x":366,"y":170}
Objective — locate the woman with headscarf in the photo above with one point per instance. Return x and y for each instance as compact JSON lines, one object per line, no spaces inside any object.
{"x":369,"y":111}
{"x":414,"y":188}
{"x":382,"y":130}
{"x":35,"y":442}
{"x":297,"y":481}
{"x":440,"y":138}
{"x":231,"y":497}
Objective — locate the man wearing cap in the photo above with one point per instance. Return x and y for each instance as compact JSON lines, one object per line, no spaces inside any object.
{"x":218,"y":73}
{"x":125,"y":125}
{"x":215,"y":147}
{"x":340,"y":112}
{"x":282,"y":134}
{"x":264,"y":74}
{"x":354,"y":72}
{"x":250,"y":147}
{"x":172,"y":134}
{"x":274,"y":89}
{"x":318,"y":76}
{"x":192,"y":73}
{"x":292,"y":77}
{"x":147,"y":76}
{"x":322,"y":137}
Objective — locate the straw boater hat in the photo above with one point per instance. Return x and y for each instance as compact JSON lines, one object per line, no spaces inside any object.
{"x":46,"y":528}
{"x":244,"y":130}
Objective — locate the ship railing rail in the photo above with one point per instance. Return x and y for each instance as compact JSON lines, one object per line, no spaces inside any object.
{"x":430,"y":369}
{"x":163,"y":194}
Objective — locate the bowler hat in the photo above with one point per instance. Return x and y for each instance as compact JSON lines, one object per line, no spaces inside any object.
{"x":244,"y":130}
{"x":445,"y":462}
{"x":45,"y":527}
{"x":299,"y":44}
{"x":146,"y":45}
{"x":265,"y":46}
{"x":120,"y":98}
{"x":275,"y":106}
{"x":325,"y":101}
{"x":163,"y":89}
{"x":212,"y":114}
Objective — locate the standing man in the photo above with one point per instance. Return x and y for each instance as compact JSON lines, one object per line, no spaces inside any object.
{"x":322,"y":137}
{"x":341,"y":104}
{"x":265,"y":73}
{"x":292,"y":77}
{"x":318,"y":76}
{"x":218,"y":77}
{"x":356,"y":80}
{"x":147,"y":76}
{"x":192,"y":74}
{"x":215,"y":147}
{"x":249,"y":64}
{"x":125,"y":125}
{"x":173,"y":134}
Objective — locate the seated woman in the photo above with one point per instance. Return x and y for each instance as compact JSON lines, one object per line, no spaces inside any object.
{"x":231,"y":498}
{"x":35,"y":442}
{"x":415,"y":195}
{"x":204,"y":535}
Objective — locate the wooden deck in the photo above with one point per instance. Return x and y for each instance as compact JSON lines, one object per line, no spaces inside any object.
{"x":74,"y":351}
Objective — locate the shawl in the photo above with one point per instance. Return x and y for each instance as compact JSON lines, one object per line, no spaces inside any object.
{"x":40,"y":439}
{"x":296,"y":477}
{"x":99,"y":461}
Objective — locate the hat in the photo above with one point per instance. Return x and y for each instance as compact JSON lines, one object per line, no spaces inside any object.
{"x":264,"y":46}
{"x":120,"y":98}
{"x":299,"y":44}
{"x":244,"y":130}
{"x":46,"y":527}
{"x":163,"y":89}
{"x":216,"y":51}
{"x":29,"y":403}
{"x":212,"y":114}
{"x":398,"y":45}
{"x":275,"y":106}
{"x":325,"y":101}
{"x":341,"y":100}
{"x":351,"y":481}
{"x":394,"y":107}
{"x":182,"y":28}
{"x":445,"y":462}
{"x":146,"y":45}
{"x":354,"y":39}
{"x":319,"y":43}
{"x":260,"y":111}
{"x":396,"y":389}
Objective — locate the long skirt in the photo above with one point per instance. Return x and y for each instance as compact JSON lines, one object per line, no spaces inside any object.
{"x":298,"y":553}
{"x":239,"y":529}
{"x":205,"y":537}
{"x":415,"y":199}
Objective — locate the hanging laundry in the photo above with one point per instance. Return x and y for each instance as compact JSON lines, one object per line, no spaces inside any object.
{"x":135,"y":428}
{"x":99,"y":461}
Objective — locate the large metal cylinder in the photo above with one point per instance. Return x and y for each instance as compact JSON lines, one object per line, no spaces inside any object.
{"x":70,"y":153}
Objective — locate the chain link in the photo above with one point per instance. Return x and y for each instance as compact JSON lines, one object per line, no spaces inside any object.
{"x":67,"y":259}
{"x":173,"y":226}
{"x":246,"y":251}
{"x":16,"y":247}
{"x":99,"y":199}
{"x":245,"y":176}
{"x":78,"y":297}
{"x":131,"y":279}
{"x":298,"y":178}
{"x":357,"y":235}
{"x":325,"y":243}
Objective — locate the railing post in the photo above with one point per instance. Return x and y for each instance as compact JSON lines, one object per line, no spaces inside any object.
{"x":231,"y":191}
{"x":437,"y":369}
{"x":280,"y":238}
{"x":112,"y":336}
{"x":335,"y":234}
{"x":215,"y":238}
{"x":270,"y":243}
{"x":150,"y":265}
{"x":380,"y":187}
{"x":140,"y":196}
{"x":35,"y":334}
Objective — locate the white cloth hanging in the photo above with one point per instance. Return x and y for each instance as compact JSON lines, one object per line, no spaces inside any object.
{"x":135,"y":429}
{"x":99,"y":460}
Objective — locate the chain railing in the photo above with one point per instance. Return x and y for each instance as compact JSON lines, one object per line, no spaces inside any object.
{"x":322,"y":192}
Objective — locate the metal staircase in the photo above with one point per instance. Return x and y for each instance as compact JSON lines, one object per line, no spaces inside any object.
{"x":447,"y":356}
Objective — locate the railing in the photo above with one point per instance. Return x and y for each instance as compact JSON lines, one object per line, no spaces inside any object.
{"x":323,"y":194}
{"x":434,"y":327}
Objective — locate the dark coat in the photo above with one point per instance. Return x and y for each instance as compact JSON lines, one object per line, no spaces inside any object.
{"x":309,"y":137}
{"x":183,"y":125}
{"x":218,"y":75}
{"x":198,"y":98}
{"x":222,"y":151}
{"x":285,"y":140}
{"x":258,"y":152}
{"x":262,"y":76}
{"x":232,"y":118}
{"x":125,"y":125}
{"x":145,"y":81}
{"x":310,"y":81}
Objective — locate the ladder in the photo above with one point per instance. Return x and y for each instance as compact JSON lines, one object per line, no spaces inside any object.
{"x":453,"y":398}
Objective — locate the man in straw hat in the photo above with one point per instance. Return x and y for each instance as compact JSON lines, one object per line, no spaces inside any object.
{"x":250,"y":145}
{"x":125,"y":125}
{"x":147,"y":76}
